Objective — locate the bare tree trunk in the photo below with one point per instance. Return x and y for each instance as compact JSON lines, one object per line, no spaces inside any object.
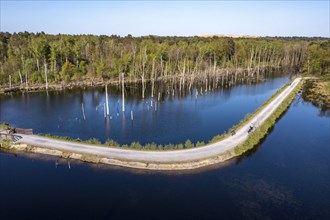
{"x":236,"y":69}
{"x":264,"y":58}
{"x":20,"y":76}
{"x":161,"y":66}
{"x":206,"y":84}
{"x":123,"y":90}
{"x":106,"y":100}
{"x":54,"y":68}
{"x":258,"y":65}
{"x":308,"y":66}
{"x":133,"y":64}
{"x":26,"y":80}
{"x":46,"y":77}
{"x":152,"y":78}
{"x":255,"y":61}
{"x":142,"y":85}
{"x":19,"y":71}
{"x":165,"y":71}
{"x":9,"y":81}
{"x":38,"y":66}
{"x":214,"y":66}
{"x":180,"y":84}
{"x":183,"y":73}
{"x":191,"y":82}
{"x":143,"y":69}
{"x":250,"y":63}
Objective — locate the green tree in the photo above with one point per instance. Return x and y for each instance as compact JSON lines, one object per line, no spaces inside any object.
{"x":67,"y":71}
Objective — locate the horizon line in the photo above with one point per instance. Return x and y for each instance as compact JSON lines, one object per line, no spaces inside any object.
{"x":155,"y":35}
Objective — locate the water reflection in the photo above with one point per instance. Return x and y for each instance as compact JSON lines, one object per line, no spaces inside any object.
{"x":324,"y":112}
{"x":286,"y":177}
{"x":251,"y":152}
{"x":169,"y":117}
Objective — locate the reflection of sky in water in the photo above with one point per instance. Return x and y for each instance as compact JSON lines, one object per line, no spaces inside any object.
{"x":172,"y":120}
{"x":284,"y":177}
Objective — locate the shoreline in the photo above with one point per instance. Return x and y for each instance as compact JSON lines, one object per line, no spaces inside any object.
{"x":92,"y":82}
{"x":239,"y":149}
{"x":317,"y":91}
{"x":189,"y":165}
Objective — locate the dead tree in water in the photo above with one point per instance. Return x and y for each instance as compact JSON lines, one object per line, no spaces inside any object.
{"x":46,"y":77}
{"x":20,"y":76}
{"x":144,"y":61}
{"x":106,"y":100}
{"x":259,"y":58}
{"x":250,"y":62}
{"x":182,"y":75}
{"x":19,"y":71}
{"x":133,"y":66}
{"x":123,"y":90}
{"x":153,"y":78}
{"x":26,"y":80}
{"x":215,"y":77}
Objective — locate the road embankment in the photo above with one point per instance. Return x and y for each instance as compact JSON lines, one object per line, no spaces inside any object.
{"x":220,"y":151}
{"x":117,"y":162}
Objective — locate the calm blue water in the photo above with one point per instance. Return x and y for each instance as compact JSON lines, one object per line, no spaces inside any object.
{"x":285,"y":177}
{"x":172,"y":120}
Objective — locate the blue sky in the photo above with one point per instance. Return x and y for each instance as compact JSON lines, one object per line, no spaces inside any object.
{"x":169,"y":18}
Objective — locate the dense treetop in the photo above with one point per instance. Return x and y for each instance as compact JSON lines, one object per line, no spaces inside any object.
{"x":29,"y":57}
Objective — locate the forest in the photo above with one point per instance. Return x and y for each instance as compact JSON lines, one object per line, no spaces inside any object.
{"x":37,"y":58}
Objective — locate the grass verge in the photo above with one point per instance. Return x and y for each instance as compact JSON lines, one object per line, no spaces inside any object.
{"x":247,"y":117}
{"x":255,"y":137}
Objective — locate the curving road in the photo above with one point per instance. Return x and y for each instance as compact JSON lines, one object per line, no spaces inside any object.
{"x":164,"y":156}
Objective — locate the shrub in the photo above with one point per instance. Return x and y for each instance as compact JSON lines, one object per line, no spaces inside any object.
{"x":125,"y":146}
{"x":111,"y":143}
{"x":169,"y":147}
{"x":179,"y":146}
{"x":153,"y":146}
{"x":136,"y":145}
{"x":200,"y":144}
{"x":188,"y":144}
{"x":93,"y":141}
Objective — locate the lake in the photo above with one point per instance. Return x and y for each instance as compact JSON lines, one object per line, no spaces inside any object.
{"x":79,"y":113}
{"x":285,"y":177}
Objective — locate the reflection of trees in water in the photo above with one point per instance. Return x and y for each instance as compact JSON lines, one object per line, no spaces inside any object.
{"x":173,"y":87}
{"x":298,"y":99}
{"x":252,"y":151}
{"x":95,"y":98}
{"x":67,"y":106}
{"x":316,"y":98}
{"x":324,"y":112}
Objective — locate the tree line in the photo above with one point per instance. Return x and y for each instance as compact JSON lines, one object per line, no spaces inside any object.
{"x":27,"y":58}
